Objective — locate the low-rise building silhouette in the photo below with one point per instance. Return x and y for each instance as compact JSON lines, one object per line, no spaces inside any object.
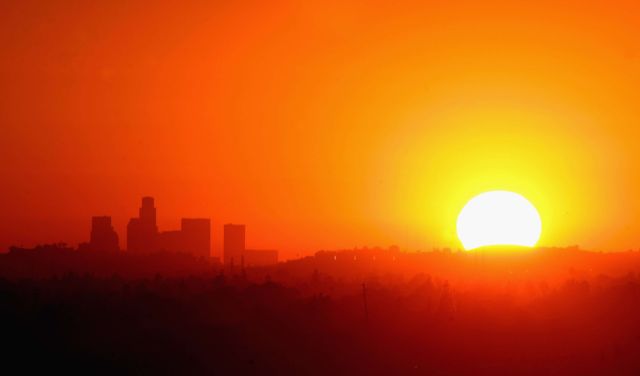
{"x":170,"y":241}
{"x":196,"y":236}
{"x":260,"y":257}
{"x":235,"y":252}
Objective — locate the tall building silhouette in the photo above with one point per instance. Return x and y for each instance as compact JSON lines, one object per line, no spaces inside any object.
{"x":233,"y":243}
{"x":142,"y":232}
{"x":103,"y":236}
{"x":196,"y":236}
{"x":147,"y":211}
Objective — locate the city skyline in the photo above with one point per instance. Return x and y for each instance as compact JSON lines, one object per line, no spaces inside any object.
{"x":372,"y":123}
{"x":320,"y":187}
{"x":143,"y":236}
{"x":171,"y":240}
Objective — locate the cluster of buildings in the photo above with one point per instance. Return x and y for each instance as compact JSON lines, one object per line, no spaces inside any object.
{"x":143,"y":236}
{"x":194,"y":237}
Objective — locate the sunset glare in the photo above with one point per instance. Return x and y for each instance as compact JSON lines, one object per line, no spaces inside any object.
{"x":335,"y":187}
{"x":498,"y":218}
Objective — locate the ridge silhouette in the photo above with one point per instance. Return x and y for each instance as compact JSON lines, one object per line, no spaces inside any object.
{"x":165,"y":306}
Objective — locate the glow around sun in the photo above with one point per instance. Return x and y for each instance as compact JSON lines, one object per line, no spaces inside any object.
{"x":498,"y":218}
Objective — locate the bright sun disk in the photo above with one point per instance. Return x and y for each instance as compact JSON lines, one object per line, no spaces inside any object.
{"x":498,"y":218}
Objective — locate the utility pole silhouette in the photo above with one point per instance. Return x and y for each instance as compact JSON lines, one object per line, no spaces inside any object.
{"x":364,"y":298}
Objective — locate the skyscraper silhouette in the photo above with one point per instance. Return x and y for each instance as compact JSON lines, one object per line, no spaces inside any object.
{"x":147,"y":211}
{"x":233,"y":243}
{"x":103,"y":236}
{"x":142,"y":232}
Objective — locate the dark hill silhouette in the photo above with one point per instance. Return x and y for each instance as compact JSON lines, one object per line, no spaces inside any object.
{"x":175,"y":314}
{"x":57,"y":259}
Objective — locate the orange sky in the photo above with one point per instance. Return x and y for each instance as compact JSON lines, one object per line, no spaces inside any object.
{"x":325,"y":125}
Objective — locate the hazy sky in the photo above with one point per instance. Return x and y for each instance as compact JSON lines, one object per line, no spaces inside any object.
{"x":319,"y":125}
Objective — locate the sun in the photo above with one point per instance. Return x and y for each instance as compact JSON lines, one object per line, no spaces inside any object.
{"x":498,"y":218}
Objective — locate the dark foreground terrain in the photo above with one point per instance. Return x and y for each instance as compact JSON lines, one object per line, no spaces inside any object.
{"x":213,"y":321}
